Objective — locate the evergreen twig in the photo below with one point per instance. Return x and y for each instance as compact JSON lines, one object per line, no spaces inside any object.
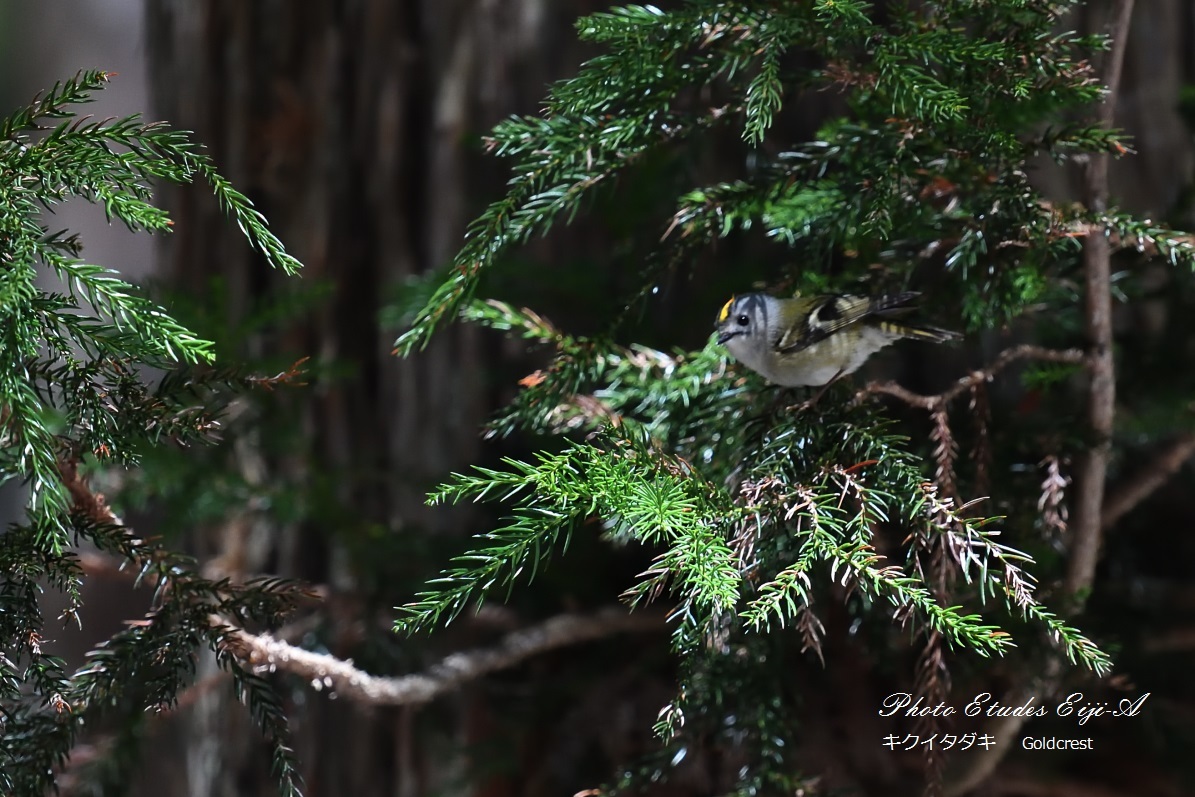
{"x":76,"y":392}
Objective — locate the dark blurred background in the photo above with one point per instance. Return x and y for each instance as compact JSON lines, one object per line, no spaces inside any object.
{"x":356,"y":126}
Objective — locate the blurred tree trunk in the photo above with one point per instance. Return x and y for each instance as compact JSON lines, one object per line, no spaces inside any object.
{"x":1159,"y":63}
{"x":352,"y":125}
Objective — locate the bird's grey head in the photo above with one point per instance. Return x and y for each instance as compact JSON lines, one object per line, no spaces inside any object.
{"x":742,"y":317}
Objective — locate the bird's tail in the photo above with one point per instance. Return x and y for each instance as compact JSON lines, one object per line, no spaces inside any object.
{"x":900,"y":304}
{"x":919,"y":331}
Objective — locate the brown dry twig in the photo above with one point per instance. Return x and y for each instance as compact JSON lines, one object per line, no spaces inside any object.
{"x":88,"y":503}
{"x":291,"y":377}
{"x":1052,"y":502}
{"x":945,"y":452}
{"x":981,"y":453}
{"x":1147,"y":482}
{"x":983,"y":375}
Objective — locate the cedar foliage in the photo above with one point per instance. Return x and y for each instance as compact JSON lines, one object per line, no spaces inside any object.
{"x":77,"y":393}
{"x":759,"y":513}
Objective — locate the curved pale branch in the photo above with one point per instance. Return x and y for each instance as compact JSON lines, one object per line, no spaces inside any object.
{"x":264,"y":652}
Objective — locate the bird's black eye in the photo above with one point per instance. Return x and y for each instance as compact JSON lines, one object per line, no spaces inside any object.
{"x":743,"y":320}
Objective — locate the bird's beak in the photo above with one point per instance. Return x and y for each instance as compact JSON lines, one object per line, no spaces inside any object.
{"x":725,"y":336}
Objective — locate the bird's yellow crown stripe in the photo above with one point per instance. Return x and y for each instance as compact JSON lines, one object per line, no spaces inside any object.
{"x":724,"y":313}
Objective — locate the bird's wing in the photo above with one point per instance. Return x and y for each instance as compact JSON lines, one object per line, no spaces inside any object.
{"x":836,"y":312}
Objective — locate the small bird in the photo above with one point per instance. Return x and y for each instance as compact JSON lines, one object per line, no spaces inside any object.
{"x":812,"y":341}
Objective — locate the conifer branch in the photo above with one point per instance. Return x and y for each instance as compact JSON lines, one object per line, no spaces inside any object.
{"x":74,"y":384}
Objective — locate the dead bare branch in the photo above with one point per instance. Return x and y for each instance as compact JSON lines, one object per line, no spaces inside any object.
{"x":1175,"y":640}
{"x":1147,"y":482}
{"x":971,"y":380}
{"x":264,"y":652}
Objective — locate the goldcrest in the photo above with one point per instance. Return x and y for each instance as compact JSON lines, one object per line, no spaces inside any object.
{"x":811,"y":341}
